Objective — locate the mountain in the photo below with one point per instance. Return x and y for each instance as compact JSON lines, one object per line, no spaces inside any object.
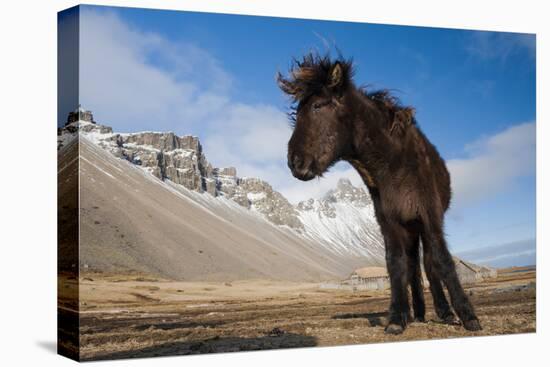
{"x":151,"y":202}
{"x":181,"y":160}
{"x":343,"y":222}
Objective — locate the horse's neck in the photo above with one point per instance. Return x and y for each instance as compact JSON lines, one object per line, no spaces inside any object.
{"x":374,"y":142}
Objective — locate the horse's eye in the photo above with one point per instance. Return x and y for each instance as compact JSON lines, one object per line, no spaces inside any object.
{"x":317,"y":106}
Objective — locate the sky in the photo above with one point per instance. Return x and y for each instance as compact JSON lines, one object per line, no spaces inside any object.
{"x":213,"y":76}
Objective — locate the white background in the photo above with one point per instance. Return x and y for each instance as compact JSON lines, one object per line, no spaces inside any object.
{"x":28,"y":181}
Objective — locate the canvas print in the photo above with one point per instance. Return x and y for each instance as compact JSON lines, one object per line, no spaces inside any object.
{"x":235,"y":183}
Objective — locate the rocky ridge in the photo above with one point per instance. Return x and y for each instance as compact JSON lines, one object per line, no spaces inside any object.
{"x":181,"y":160}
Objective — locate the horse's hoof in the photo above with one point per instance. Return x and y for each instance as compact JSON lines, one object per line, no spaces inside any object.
{"x":451,"y":320}
{"x":419,"y":319}
{"x":472,"y":325}
{"x":394,"y":329}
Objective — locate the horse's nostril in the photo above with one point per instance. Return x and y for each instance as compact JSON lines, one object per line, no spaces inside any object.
{"x":290,"y":161}
{"x":296,"y":161}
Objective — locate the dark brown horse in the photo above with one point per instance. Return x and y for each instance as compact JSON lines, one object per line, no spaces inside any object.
{"x":405,"y":175}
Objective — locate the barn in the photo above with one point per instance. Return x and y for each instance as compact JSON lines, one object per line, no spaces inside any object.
{"x":471,"y":273}
{"x":371,"y":278}
{"x":467,"y":273}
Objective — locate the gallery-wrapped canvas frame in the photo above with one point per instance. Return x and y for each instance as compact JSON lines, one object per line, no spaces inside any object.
{"x":232,"y":183}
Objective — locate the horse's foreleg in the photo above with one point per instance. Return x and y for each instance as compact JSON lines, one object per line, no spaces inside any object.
{"x":395,"y":238}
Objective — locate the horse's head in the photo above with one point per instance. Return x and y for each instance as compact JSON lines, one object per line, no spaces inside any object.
{"x":321,"y":136}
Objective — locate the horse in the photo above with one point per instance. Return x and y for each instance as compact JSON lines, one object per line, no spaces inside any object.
{"x":334,"y":120}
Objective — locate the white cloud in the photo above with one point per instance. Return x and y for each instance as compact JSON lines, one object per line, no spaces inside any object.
{"x":493,"y":164}
{"x":119,"y":82}
{"x":258,"y":133}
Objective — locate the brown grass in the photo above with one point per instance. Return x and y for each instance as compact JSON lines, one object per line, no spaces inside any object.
{"x":131,"y":318}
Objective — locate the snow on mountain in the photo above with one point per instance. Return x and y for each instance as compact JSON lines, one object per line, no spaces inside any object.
{"x":342,"y":222}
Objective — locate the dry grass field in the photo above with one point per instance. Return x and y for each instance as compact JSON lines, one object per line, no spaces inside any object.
{"x":133,"y":316}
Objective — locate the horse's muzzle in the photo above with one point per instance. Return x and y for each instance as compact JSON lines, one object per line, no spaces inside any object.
{"x":301,"y":168}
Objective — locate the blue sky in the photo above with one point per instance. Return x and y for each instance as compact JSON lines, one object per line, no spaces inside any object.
{"x":213,"y":76}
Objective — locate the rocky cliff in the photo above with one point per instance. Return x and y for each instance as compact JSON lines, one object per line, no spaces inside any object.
{"x":181,"y":160}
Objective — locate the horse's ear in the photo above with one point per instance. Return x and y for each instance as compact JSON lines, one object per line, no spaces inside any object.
{"x":336,"y":76}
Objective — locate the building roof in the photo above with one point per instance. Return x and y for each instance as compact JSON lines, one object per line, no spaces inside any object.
{"x":474,"y":267}
{"x":487,"y":268}
{"x":371,"y":272}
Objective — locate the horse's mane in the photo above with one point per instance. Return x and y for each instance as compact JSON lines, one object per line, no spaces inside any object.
{"x":384,"y":98}
{"x":311,"y":74}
